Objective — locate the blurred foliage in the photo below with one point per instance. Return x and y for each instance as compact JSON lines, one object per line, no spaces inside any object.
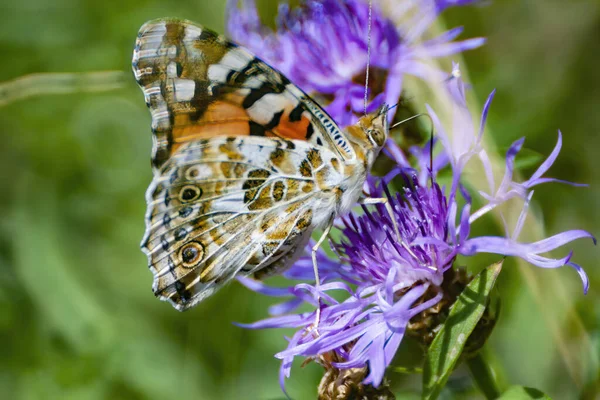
{"x":77,"y":316}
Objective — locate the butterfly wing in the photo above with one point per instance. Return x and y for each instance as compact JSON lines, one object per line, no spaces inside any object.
{"x":197,"y":85}
{"x":245,"y":164}
{"x":231,"y":205}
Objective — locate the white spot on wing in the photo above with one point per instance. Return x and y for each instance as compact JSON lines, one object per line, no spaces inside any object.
{"x":253,"y":82}
{"x":217,"y":73}
{"x":184,"y":89}
{"x":236,"y":59}
{"x":192,"y":32}
{"x":263,"y":109}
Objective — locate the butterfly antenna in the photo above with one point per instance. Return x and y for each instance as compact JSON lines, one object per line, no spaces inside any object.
{"x":431,"y":151}
{"x":430,"y":136}
{"x":411,"y":118}
{"x":368,"y":54}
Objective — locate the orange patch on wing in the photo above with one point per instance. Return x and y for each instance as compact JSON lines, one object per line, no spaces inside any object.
{"x":222,"y":111}
{"x":220,"y":119}
{"x":292,"y":130}
{"x":224,"y":128}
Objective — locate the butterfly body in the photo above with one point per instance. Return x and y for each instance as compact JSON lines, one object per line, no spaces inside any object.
{"x":246,"y":165}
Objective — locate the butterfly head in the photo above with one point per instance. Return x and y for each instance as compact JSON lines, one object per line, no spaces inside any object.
{"x":369,"y":134}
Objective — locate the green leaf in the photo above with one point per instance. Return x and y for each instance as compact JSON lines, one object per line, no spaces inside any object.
{"x":484,"y":375}
{"x":446,"y":348}
{"x":523,"y":393}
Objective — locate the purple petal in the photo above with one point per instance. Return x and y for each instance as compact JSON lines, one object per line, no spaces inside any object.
{"x":360,"y":350}
{"x":527,"y":251}
{"x":452,"y":221}
{"x":430,"y":240}
{"x":531,"y":183}
{"x":320,"y":291}
{"x":487,"y":167}
{"x":259,"y":287}
{"x":398,"y":315}
{"x":441,"y":5}
{"x":447,"y":36}
{"x":393,"y":151}
{"x":420,"y":70}
{"x":510,"y":164}
{"x":549,"y":161}
{"x":356,"y":362}
{"x":521,"y":220}
{"x":582,"y":275}
{"x":389,"y":285}
{"x":536,"y":178}
{"x":285,"y":321}
{"x":285,"y":307}
{"x":560,"y":239}
{"x":448,"y":49}
{"x":392,"y":346}
{"x":376,"y":361}
{"x":286,"y":363}
{"x":427,"y":304}
{"x":327,"y":343}
{"x":484,"y":114}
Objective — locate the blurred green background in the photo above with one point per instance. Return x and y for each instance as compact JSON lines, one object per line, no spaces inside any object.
{"x":77,"y":316}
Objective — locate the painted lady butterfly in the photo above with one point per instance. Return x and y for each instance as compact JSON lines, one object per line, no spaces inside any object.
{"x":246,"y":165}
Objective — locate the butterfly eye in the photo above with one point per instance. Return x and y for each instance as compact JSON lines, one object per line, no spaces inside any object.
{"x":376,"y":136}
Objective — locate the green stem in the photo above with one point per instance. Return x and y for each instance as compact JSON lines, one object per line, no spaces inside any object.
{"x":60,"y":83}
{"x":484,"y":376}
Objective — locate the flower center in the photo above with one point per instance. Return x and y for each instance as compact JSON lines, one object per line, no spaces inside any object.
{"x":377,"y":79}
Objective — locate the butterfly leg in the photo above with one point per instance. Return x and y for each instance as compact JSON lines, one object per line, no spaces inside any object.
{"x":390,"y":211}
{"x":316,"y":268}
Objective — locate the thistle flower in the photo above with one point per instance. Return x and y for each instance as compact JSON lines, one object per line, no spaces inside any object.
{"x":324,"y":47}
{"x":389,"y":281}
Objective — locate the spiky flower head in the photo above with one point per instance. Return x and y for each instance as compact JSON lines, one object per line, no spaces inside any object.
{"x":390,"y":281}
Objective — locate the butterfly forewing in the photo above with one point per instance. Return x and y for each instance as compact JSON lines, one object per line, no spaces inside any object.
{"x":197,"y":85}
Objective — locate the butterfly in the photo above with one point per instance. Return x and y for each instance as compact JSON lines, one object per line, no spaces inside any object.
{"x":246,"y":165}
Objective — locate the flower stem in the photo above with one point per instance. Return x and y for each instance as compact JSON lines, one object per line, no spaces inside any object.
{"x":484,"y":376}
{"x":60,"y":83}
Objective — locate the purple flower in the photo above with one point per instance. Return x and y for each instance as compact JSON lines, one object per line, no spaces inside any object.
{"x":441,"y":5}
{"x":389,"y":280}
{"x":323,"y":46}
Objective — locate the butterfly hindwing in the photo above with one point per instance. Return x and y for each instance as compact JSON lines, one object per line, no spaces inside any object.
{"x":232,"y":205}
{"x":198,"y":85}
